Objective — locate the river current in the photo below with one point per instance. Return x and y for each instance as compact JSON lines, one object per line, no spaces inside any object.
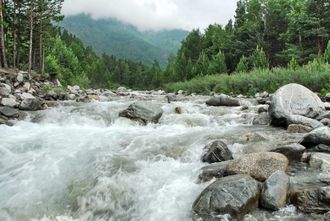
{"x":81,"y":162}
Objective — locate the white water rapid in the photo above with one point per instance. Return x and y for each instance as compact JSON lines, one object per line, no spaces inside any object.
{"x":82,"y":162}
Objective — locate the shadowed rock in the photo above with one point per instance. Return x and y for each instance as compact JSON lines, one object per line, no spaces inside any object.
{"x":216,"y":151}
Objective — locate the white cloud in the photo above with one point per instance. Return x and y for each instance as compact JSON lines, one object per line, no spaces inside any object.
{"x":156,"y":14}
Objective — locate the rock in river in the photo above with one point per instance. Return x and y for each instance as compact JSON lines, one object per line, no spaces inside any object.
{"x":258,"y":165}
{"x":318,"y":136}
{"x":216,"y":151}
{"x":223,"y":100}
{"x":30,"y":104}
{"x":294,"y":99}
{"x":143,"y":112}
{"x":275,"y":190}
{"x":233,"y":195}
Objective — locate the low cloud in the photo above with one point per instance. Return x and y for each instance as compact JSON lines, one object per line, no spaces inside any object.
{"x":156,"y":14}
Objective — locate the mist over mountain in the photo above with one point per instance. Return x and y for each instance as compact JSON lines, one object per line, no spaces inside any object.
{"x":125,"y":41}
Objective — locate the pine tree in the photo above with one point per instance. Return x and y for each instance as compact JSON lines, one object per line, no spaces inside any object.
{"x":259,"y":59}
{"x":243,"y":65}
{"x":218,"y":64}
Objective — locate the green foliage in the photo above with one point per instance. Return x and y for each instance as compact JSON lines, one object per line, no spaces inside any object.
{"x":243,"y":65}
{"x":314,"y":76}
{"x":259,"y":59}
{"x":326,"y":55}
{"x":293,"y":64}
{"x":218,"y":64}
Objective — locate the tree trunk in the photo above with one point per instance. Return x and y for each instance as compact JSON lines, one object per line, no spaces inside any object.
{"x":41,"y":46}
{"x":3,"y":45}
{"x":14,"y":35}
{"x":31,"y":38}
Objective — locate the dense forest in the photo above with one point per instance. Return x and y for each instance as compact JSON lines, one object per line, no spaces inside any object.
{"x":265,"y":34}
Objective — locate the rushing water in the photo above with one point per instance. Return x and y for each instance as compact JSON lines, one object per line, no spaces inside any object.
{"x":82,"y":162}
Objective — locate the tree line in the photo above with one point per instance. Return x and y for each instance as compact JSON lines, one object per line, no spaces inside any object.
{"x":264,"y":34}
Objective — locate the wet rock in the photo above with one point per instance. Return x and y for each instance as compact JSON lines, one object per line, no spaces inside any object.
{"x":5,"y":89}
{"x":233,"y":195}
{"x":144,"y":112}
{"x":294,"y":99}
{"x":327,"y":97}
{"x":318,"y":136}
{"x":20,"y":77}
{"x":327,"y":105}
{"x":24,"y":96}
{"x":9,"y":112}
{"x":292,"y":151}
{"x":254,"y":137}
{"x":223,"y":100}
{"x":214,"y":170}
{"x":274,"y":191}
{"x":320,"y":148}
{"x":325,"y":114}
{"x":262,"y":119}
{"x":73,"y":89}
{"x":305,"y":121}
{"x":262,"y":108}
{"x":178,"y":110}
{"x":30,"y":104}
{"x":171,"y":98}
{"x":9,"y":102}
{"x":298,"y":128}
{"x":320,"y":161}
{"x":93,"y":97}
{"x":325,"y":122}
{"x":312,"y":200}
{"x":216,"y":151}
{"x":259,"y":165}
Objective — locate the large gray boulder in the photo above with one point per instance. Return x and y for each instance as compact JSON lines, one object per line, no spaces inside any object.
{"x":223,"y":100}
{"x":320,"y":161}
{"x":294,"y":99}
{"x":233,"y":195}
{"x":144,"y":112}
{"x":262,"y":119}
{"x":258,"y":165}
{"x":305,"y":121}
{"x":292,"y":151}
{"x":214,"y":170}
{"x":312,"y":199}
{"x":216,"y":151}
{"x":318,"y":136}
{"x":9,"y":112}
{"x":5,"y":89}
{"x":275,"y":190}
{"x":9,"y":102}
{"x":31,"y":104}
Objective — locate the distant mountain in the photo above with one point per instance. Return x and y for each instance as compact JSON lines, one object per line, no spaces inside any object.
{"x":124,"y":41}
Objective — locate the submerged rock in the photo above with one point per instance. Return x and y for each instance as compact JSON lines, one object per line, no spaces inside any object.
{"x":144,"y":112}
{"x":216,"y":151}
{"x":233,"y":195}
{"x":294,"y":99}
{"x":298,"y":128}
{"x":259,"y":165}
{"x":223,"y":100}
{"x":261,"y":119}
{"x":275,"y":190}
{"x":320,"y":161}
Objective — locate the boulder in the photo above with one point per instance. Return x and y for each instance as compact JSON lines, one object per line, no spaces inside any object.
{"x":9,"y":102}
{"x":327,"y":105}
{"x":262,"y":108}
{"x":258,"y":165}
{"x":320,"y":161}
{"x":216,"y":151}
{"x":324,"y":115}
{"x":30,"y":104}
{"x":214,"y":170}
{"x":262,"y":119}
{"x":325,"y":122}
{"x":298,"y":128}
{"x":5,"y":89}
{"x":223,"y":100}
{"x":327,"y":97}
{"x":318,"y":136}
{"x":233,"y":195}
{"x":294,"y":99}
{"x":20,"y":77}
{"x":305,"y":121}
{"x":24,"y":96}
{"x":144,"y":112}
{"x":312,"y":199}
{"x":274,"y":191}
{"x":292,"y":151}
{"x":320,"y":148}
{"x":9,"y":112}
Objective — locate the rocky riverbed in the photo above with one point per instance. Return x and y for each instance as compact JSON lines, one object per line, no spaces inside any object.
{"x":88,"y":155}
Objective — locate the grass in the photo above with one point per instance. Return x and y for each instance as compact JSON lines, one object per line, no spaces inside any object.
{"x":315,"y":76}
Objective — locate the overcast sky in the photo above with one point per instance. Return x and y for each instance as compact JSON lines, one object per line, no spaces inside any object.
{"x":156,"y":14}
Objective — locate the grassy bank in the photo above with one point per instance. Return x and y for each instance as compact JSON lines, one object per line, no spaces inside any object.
{"x":315,"y":76}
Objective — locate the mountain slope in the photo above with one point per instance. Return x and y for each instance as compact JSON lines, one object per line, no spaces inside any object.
{"x":125,"y":41}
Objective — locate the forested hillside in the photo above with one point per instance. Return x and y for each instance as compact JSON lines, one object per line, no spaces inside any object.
{"x":124,"y":41}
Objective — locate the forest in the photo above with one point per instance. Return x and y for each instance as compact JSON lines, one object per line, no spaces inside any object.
{"x":265,"y":36}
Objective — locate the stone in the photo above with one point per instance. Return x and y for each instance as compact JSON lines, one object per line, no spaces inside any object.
{"x":320,"y":148}
{"x":325,"y":114}
{"x":262,"y":119}
{"x":5,"y":89}
{"x":216,"y":151}
{"x":214,"y":170}
{"x":259,"y":165}
{"x":292,"y":151}
{"x":144,"y":112}
{"x":9,"y":112}
{"x":234,"y":195}
{"x":298,"y":128}
{"x":30,"y":104}
{"x":93,"y":97}
{"x":178,"y":110}
{"x":26,"y":86}
{"x":223,"y":100}
{"x":305,"y":121}
{"x":312,"y":199}
{"x":327,"y":105}
{"x":320,"y":161}
{"x":327,"y":97}
{"x":24,"y":96}
{"x":318,"y":136}
{"x":325,"y":122}
{"x":262,"y":108}
{"x":294,"y":99}
{"x":254,"y":137}
{"x":275,"y":190}
{"x":20,"y":77}
{"x":9,"y":102}
{"x":72,"y":96}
